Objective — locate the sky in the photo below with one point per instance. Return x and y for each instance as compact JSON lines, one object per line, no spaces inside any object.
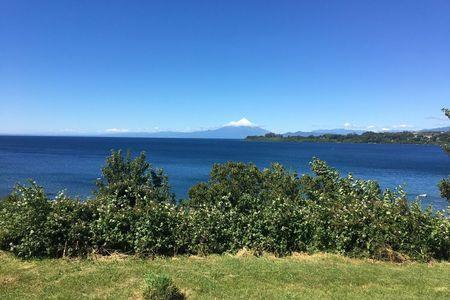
{"x":96,"y":66}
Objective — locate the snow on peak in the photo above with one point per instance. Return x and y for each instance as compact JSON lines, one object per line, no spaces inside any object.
{"x":241,"y":122}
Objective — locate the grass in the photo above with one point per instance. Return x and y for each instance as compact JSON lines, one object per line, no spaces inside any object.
{"x":224,"y":277}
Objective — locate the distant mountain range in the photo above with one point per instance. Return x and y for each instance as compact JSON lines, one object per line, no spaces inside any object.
{"x":241,"y":132}
{"x":440,"y":129}
{"x":322,"y":132}
{"x":350,"y":131}
{"x":225,"y":132}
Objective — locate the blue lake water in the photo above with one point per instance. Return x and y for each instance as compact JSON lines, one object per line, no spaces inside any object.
{"x":73,"y":163}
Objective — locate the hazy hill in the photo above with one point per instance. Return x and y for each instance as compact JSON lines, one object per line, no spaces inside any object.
{"x":225,"y":132}
{"x":440,"y":129}
{"x":343,"y":131}
{"x":323,"y":131}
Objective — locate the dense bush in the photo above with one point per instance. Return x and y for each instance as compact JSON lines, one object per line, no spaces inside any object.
{"x":444,"y":184}
{"x":355,"y":217}
{"x":134,"y":209}
{"x":133,"y":180}
{"x":240,"y":206}
{"x":31,"y":225}
{"x":68,"y":227}
{"x":444,"y":187}
{"x":274,"y":210}
{"x":113,"y":227}
{"x":22,"y":221}
{"x":157,"y":230}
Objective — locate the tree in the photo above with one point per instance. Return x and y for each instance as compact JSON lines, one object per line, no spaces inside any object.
{"x":133,"y":179}
{"x":444,"y":187}
{"x":444,"y":184}
{"x":446,"y":112}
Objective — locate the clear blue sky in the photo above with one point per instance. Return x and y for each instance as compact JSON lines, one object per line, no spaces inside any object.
{"x":89,"y":66}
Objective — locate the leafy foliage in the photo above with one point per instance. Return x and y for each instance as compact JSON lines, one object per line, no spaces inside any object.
{"x":157,"y":230}
{"x":133,"y":180}
{"x":68,"y":227}
{"x":113,"y":226}
{"x":240,"y":206}
{"x":444,"y":184}
{"x":444,"y":187}
{"x":134,"y":208}
{"x":22,"y":221}
{"x":282,"y":213}
{"x":446,"y":111}
{"x":355,"y":217}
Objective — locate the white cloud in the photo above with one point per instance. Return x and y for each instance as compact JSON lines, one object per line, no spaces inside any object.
{"x":347,"y":125}
{"x":440,"y":118}
{"x":116,"y":130}
{"x":241,"y":122}
{"x":69,"y":130}
{"x":402,"y":126}
{"x":385,"y":129}
{"x":371,"y":127}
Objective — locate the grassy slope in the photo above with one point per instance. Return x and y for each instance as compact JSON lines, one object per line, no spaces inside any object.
{"x":301,"y":276}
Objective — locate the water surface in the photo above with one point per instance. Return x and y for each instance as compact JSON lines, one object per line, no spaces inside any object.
{"x":73,"y":163}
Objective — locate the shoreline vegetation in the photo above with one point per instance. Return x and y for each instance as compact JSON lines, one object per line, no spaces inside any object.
{"x":245,"y":232}
{"x":406,"y":137}
{"x":240,"y":206}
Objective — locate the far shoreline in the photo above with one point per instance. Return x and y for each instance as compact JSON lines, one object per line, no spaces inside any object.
{"x":262,"y":140}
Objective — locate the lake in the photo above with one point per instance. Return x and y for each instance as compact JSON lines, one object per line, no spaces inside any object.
{"x":73,"y":163}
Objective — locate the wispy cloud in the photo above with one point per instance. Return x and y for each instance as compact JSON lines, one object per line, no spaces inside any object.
{"x":69,"y":130}
{"x":403,"y":126}
{"x":348,"y":125}
{"x":440,"y":118}
{"x":116,"y":130}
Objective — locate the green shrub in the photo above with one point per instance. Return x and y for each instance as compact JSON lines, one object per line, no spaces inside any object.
{"x":235,"y":180}
{"x":68,"y":227}
{"x":355,"y":217}
{"x":157,"y":230}
{"x":207,"y":228}
{"x":240,"y":206}
{"x":113,"y":227}
{"x":22,"y":221}
{"x":161,"y":287}
{"x":444,"y":187}
{"x":274,"y":210}
{"x":131,"y":198}
{"x":133,"y":180}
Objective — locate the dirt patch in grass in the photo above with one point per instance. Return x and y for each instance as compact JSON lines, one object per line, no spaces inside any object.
{"x":8,"y":280}
{"x":244,"y":252}
{"x":112,"y":257}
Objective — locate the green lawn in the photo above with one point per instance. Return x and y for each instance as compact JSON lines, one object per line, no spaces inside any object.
{"x":232,"y":277}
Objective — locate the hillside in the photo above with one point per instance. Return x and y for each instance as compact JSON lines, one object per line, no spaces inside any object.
{"x":322,"y":132}
{"x":406,"y":137}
